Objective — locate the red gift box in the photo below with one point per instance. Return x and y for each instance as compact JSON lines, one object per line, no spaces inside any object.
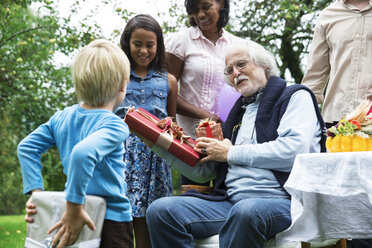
{"x":145,"y":123}
{"x":210,"y":129}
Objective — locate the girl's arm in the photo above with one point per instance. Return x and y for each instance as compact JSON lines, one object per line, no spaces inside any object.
{"x":172,"y":96}
{"x":175,"y":67}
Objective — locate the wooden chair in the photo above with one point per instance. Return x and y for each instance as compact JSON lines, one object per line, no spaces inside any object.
{"x":200,"y":188}
{"x":340,"y":244}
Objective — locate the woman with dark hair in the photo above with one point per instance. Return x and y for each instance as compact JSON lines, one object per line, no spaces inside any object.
{"x":150,"y":87}
{"x":195,"y":56}
{"x":191,"y":8}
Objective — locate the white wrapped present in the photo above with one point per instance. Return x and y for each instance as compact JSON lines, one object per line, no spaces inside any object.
{"x":50,"y":206}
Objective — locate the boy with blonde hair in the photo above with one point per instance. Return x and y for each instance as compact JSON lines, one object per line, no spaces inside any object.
{"x":89,"y":138}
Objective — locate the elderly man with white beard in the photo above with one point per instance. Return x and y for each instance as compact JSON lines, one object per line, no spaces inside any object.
{"x":267,"y":127}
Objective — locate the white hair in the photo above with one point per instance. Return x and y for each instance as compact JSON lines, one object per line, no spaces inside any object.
{"x":259,"y":55}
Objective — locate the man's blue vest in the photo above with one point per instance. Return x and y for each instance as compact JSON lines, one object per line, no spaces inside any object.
{"x":272,"y":106}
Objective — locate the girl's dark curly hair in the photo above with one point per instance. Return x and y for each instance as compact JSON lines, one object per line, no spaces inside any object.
{"x":224,"y":12}
{"x":146,"y":22}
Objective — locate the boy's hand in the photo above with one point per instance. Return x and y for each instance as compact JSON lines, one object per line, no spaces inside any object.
{"x":30,"y":209}
{"x":70,"y":225}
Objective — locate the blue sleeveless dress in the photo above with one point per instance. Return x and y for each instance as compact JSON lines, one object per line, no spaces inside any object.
{"x":148,"y":176}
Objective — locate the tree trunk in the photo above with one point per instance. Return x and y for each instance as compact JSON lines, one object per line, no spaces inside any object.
{"x":290,"y":58}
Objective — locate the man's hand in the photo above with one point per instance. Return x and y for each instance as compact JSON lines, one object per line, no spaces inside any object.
{"x":214,"y":149}
{"x":30,"y":208}
{"x":70,"y":225}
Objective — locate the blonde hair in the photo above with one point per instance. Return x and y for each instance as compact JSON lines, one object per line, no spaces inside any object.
{"x":99,"y":71}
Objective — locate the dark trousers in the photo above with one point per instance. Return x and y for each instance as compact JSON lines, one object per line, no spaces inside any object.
{"x":359,"y":243}
{"x":117,"y":234}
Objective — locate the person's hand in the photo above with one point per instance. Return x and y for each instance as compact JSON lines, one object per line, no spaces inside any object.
{"x":70,"y":225}
{"x":215,"y":118}
{"x":214,"y":149}
{"x":130,"y":110}
{"x":30,"y":209}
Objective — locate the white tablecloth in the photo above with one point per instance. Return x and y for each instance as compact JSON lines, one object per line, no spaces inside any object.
{"x":331,"y":197}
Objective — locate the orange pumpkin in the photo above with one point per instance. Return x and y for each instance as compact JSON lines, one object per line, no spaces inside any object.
{"x":328,"y":144}
{"x":342,"y":143}
{"x":369,"y":143}
{"x":345,"y":143}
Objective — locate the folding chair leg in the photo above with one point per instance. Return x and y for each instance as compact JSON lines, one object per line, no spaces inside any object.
{"x":305,"y":245}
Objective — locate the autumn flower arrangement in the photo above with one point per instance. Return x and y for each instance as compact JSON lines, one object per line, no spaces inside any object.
{"x":354,"y":132}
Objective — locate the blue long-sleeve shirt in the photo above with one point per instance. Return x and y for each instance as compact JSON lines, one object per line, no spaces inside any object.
{"x":90,"y":144}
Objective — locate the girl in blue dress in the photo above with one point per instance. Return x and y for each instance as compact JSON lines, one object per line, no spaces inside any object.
{"x":151,"y":87}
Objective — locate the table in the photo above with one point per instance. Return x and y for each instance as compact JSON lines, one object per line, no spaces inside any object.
{"x":331,"y":197}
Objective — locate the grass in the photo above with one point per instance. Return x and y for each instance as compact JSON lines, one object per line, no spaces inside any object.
{"x":12,"y":231}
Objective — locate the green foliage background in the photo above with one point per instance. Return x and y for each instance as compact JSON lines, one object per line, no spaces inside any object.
{"x":284,"y":27}
{"x":33,"y":86}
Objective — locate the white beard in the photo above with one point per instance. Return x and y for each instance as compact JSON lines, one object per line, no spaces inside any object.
{"x":247,"y":88}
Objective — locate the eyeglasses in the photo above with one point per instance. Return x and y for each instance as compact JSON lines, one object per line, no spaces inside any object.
{"x":239,"y":64}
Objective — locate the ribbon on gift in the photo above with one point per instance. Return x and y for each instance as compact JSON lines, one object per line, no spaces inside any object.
{"x":209,"y":128}
{"x":170,"y":130}
{"x":164,"y":140}
{"x":207,"y":125}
